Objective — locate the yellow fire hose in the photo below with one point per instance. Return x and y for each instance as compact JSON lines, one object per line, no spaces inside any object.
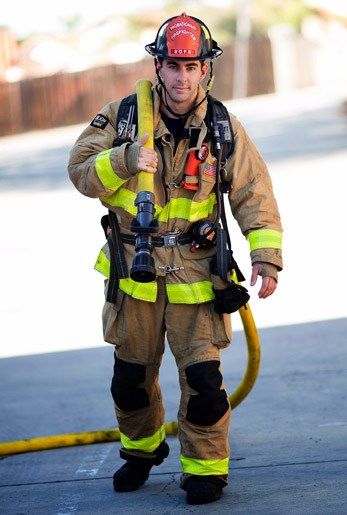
{"x":145,"y":181}
{"x":171,"y":428}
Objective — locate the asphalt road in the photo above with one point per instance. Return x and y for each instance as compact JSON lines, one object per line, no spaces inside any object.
{"x":288,"y":438}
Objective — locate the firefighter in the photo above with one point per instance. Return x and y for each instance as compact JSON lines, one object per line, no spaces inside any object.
{"x":181,"y":302}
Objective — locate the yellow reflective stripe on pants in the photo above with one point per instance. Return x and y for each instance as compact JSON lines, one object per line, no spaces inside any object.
{"x":204,"y":467}
{"x":264,"y":238}
{"x":190,"y":293}
{"x":147,"y":444}
{"x":176,"y":208}
{"x":105,"y":172}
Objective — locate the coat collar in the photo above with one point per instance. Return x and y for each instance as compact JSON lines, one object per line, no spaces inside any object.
{"x":196,"y":118}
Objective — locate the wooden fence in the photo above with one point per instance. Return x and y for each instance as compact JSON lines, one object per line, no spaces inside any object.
{"x":70,"y":98}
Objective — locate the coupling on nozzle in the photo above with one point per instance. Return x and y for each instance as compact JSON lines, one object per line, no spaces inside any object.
{"x":144,"y":223}
{"x":143,"y":269}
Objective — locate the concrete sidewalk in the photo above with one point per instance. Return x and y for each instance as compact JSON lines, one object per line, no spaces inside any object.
{"x":288,"y":438}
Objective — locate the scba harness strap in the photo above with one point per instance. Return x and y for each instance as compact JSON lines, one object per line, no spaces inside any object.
{"x":217,"y":116}
{"x":127,"y":127}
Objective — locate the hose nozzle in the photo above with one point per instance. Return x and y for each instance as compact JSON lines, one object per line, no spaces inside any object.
{"x":143,"y":226}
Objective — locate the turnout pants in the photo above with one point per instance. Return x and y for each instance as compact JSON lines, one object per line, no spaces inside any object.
{"x":195,"y":333}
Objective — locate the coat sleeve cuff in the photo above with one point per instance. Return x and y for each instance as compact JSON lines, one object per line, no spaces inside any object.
{"x":119,"y":161}
{"x":268,"y":255}
{"x":269,"y":270}
{"x":132,"y":157}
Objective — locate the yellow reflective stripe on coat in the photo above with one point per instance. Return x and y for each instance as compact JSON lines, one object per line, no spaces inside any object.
{"x":122,"y":198}
{"x":265,"y":238}
{"x":176,"y":208}
{"x":187,"y":209}
{"x":139,"y":291}
{"x":190,"y":293}
{"x":102,"y":264}
{"x":181,"y":293}
{"x":147,"y":444}
{"x":105,"y":172}
{"x":204,"y":467}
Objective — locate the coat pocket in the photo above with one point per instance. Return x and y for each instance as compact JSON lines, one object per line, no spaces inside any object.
{"x":207,"y":179}
{"x":207,"y":170}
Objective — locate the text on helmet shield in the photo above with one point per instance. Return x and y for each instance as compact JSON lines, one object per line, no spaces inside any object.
{"x":183,"y":24}
{"x":181,"y":32}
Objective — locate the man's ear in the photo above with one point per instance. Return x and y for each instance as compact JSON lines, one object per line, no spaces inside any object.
{"x":204,"y":70}
{"x":157,"y":65}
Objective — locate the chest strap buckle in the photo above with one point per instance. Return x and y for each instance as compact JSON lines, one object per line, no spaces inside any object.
{"x":173,"y":186}
{"x":170,"y":239}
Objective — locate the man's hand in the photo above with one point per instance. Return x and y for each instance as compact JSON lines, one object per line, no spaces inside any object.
{"x":268,"y":285}
{"x":148,"y":159}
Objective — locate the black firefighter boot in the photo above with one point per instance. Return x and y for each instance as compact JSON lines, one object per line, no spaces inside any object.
{"x":135,"y":472}
{"x":203,"y":489}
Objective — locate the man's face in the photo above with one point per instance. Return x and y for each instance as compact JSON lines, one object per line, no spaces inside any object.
{"x":181,"y":79}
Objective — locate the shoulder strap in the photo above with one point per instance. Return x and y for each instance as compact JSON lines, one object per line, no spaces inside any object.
{"x":219,"y":124}
{"x":224,"y":123}
{"x":217,"y":110}
{"x":126,"y":120}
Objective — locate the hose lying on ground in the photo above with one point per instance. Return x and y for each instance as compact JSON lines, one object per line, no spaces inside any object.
{"x":171,"y":428}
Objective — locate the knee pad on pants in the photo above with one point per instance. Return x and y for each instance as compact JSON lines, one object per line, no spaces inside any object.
{"x":125,"y":393}
{"x":211,"y":403}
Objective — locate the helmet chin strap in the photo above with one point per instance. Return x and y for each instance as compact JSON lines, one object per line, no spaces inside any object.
{"x":164,"y":100}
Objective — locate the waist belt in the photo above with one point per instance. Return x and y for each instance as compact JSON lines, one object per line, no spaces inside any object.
{"x":170,"y":239}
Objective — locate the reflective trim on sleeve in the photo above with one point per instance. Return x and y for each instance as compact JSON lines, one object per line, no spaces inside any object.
{"x":204,"y":467}
{"x":105,"y":172}
{"x":102,"y":264}
{"x":147,"y":444}
{"x":190,"y":293}
{"x":139,"y":291}
{"x":264,"y":238}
